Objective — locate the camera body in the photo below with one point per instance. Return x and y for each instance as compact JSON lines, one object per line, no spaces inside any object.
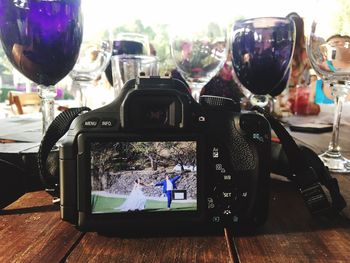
{"x":156,"y":158}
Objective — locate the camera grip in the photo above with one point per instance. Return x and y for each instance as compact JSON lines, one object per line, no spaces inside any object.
{"x":242,"y":166}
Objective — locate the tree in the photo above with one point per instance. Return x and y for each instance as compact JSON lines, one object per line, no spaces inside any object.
{"x":183,"y":153}
{"x":150,"y":150}
{"x":167,"y":153}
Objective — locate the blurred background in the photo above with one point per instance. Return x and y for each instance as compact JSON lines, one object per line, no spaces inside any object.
{"x":104,"y":19}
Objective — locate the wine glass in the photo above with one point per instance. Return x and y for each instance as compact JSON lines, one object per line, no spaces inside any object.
{"x":126,"y":67}
{"x":262,"y":49}
{"x":92,"y":62}
{"x":199,"y":51}
{"x":41,"y":39}
{"x":131,"y":56}
{"x":328,"y":48}
{"x":128,"y":43}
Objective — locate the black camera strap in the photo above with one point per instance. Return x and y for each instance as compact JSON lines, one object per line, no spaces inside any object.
{"x":308,"y":172}
{"x":56,"y":130}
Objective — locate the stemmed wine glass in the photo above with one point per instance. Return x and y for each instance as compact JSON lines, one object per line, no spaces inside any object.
{"x":131,"y":56}
{"x":41,"y":38}
{"x":328,"y":48}
{"x":262,"y":49}
{"x":127,"y":43}
{"x":92,"y":62}
{"x":199,"y":51}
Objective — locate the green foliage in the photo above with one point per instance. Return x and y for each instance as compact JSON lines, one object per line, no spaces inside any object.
{"x":139,"y":155}
{"x":162,"y":46}
{"x":158,"y":38}
{"x":5,"y":65}
{"x":5,"y":89}
{"x":342,"y":21}
{"x":213,"y":31}
{"x":169,"y":153}
{"x":67,"y":95}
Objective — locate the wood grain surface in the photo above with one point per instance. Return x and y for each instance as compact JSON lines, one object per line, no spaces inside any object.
{"x":291,"y":234}
{"x":97,"y":248}
{"x":31,"y":231}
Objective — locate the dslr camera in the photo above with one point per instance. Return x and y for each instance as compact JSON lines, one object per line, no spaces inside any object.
{"x":155,"y":158}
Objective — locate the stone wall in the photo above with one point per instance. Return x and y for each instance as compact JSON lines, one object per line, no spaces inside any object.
{"x":123,"y":182}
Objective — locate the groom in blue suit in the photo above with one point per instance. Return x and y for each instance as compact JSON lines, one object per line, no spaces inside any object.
{"x":168,"y":186}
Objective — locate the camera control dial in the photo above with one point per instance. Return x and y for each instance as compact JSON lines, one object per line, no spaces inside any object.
{"x":222,"y":103}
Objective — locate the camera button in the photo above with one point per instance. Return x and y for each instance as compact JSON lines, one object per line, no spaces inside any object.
{"x":215,"y":152}
{"x":202,"y":119}
{"x":227,"y":179}
{"x":90,"y":123}
{"x":227,"y":214}
{"x":228,"y":196}
{"x":107,"y":123}
{"x":211,"y":203}
{"x":220,"y":168}
{"x":216,"y":219}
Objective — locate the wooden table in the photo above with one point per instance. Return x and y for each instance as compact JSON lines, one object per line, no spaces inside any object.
{"x":31,"y":231}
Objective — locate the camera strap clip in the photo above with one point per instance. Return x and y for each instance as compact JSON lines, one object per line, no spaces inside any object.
{"x":309,"y":172}
{"x":315,"y":199}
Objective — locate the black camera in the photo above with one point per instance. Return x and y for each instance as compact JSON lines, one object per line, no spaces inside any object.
{"x":155,"y":157}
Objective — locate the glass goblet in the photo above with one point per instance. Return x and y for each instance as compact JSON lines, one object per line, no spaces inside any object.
{"x":199,"y":52}
{"x":92,"y":62}
{"x":262,"y":49}
{"x":126,"y":67}
{"x":42,"y":39}
{"x":127,"y":43}
{"x":328,"y":48}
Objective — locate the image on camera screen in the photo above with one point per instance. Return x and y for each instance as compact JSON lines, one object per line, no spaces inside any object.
{"x":143,"y":176}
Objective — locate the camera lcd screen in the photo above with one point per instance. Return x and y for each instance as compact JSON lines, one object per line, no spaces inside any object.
{"x":152,"y":176}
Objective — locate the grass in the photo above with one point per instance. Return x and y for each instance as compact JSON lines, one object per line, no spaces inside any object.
{"x":108,"y":205}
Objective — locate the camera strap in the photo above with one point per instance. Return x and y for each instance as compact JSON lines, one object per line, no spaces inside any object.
{"x":308,"y":172}
{"x":56,"y":130}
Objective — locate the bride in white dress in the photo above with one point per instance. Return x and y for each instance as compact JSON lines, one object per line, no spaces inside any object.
{"x":136,"y":200}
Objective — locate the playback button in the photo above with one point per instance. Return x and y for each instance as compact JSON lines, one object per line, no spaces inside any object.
{"x":107,"y":123}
